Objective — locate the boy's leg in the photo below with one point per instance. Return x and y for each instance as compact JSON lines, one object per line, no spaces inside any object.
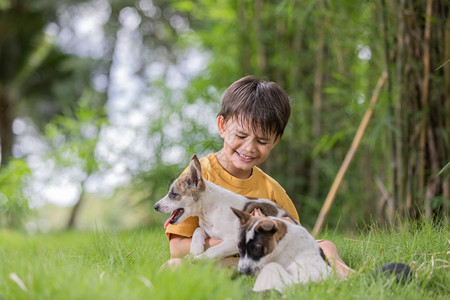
{"x":332,"y":255}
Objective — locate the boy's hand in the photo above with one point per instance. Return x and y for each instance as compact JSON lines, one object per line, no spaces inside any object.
{"x":180,"y":246}
{"x":257,"y":213}
{"x":210,"y":242}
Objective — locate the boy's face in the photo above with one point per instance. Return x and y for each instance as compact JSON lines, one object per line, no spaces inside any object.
{"x":244,"y":147}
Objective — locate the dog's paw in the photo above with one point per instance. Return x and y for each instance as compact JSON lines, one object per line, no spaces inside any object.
{"x":198,"y":257}
{"x":190,"y":258}
{"x":202,"y":256}
{"x":198,"y":242}
{"x":197,"y":249}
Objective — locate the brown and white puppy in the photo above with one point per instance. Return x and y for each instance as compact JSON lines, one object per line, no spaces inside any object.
{"x":278,"y":252}
{"x":192,"y":195}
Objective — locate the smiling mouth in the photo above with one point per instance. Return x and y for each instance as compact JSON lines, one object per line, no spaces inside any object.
{"x":176,"y":214}
{"x":244,"y":157}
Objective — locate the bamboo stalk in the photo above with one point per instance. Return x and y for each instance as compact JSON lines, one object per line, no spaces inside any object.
{"x":243,"y":37}
{"x":401,"y":156}
{"x":296,"y":45}
{"x":424,"y":102}
{"x":348,"y":158}
{"x":390,"y":212}
{"x":392,"y":141}
{"x":317,"y":103}
{"x":446,"y":183}
{"x":259,"y":31}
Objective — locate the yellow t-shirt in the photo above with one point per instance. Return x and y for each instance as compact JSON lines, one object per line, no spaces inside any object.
{"x":259,"y":185}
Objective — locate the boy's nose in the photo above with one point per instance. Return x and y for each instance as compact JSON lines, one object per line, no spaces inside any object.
{"x":249,"y":146}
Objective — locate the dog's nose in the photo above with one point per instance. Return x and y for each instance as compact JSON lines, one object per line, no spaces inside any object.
{"x":156,"y":207}
{"x":246,"y":271}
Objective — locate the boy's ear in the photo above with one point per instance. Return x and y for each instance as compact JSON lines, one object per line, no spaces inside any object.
{"x":221,"y":125}
{"x":277,"y":139}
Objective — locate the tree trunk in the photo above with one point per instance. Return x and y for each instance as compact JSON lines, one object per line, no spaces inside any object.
{"x":7,"y":116}
{"x":76,"y":209}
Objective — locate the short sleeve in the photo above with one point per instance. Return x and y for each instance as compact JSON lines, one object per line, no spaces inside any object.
{"x":186,"y":228}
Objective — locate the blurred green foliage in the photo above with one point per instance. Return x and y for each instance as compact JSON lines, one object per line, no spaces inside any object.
{"x":14,"y":206}
{"x":73,"y":139}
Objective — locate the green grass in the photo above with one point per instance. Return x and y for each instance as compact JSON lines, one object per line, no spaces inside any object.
{"x":125,"y":265}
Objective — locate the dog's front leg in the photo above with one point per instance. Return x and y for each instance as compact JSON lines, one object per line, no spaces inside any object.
{"x":224,"y":249}
{"x":198,"y":241}
{"x":272,"y":276}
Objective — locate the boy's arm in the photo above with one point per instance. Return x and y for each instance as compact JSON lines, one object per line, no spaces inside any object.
{"x":180,"y":245}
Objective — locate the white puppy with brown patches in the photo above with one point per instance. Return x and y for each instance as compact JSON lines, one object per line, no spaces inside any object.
{"x":278,"y":252}
{"x":192,"y":195}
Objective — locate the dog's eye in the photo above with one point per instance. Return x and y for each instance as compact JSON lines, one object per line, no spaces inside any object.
{"x":241,"y":248}
{"x":173,"y":195}
{"x":257,"y":250}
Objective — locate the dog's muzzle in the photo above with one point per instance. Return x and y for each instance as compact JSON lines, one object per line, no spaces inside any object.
{"x":247,"y":271}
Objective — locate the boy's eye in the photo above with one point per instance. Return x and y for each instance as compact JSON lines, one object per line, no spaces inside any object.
{"x":263,"y":142}
{"x":240,"y":136}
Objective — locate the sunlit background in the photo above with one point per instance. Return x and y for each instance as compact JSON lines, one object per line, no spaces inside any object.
{"x":109,"y":99}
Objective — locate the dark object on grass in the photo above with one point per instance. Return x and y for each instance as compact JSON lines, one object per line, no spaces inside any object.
{"x":401,"y":271}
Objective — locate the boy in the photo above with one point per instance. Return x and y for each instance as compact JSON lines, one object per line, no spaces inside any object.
{"x":251,"y":122}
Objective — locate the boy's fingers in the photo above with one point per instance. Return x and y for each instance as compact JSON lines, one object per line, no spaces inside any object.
{"x":257,"y":213}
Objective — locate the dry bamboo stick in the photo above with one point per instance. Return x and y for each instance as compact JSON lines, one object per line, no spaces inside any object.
{"x":348,"y":158}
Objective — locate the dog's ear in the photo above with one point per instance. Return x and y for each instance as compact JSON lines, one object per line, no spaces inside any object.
{"x":266,"y":226}
{"x":195,"y":172}
{"x":196,"y":163}
{"x":242,"y":215}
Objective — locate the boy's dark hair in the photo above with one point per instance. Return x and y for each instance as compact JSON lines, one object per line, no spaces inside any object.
{"x":261,"y":104}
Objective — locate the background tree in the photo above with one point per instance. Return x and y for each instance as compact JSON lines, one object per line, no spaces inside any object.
{"x":37,"y":80}
{"x":73,"y":142}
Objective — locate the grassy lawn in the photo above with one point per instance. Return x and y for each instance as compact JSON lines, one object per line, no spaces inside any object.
{"x":125,"y":265}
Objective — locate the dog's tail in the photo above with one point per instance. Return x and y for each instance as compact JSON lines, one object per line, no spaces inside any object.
{"x":402,"y":272}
